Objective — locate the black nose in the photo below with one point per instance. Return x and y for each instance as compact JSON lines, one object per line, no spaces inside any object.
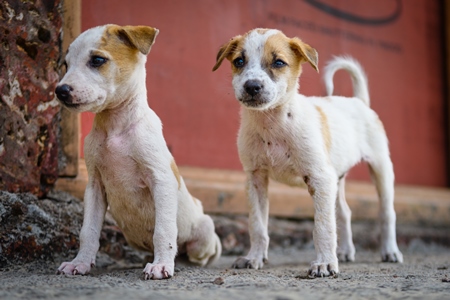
{"x":63,"y":92}
{"x":253,"y":87}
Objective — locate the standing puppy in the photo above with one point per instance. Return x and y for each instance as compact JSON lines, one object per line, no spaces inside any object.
{"x":129,"y":165}
{"x":294,"y":139}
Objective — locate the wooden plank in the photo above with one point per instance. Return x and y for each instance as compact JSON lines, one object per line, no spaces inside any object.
{"x":223,"y":192}
{"x":70,"y":122}
{"x":74,"y":185}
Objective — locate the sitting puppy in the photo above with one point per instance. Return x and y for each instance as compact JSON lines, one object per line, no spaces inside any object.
{"x":313,"y":140}
{"x":129,"y":165}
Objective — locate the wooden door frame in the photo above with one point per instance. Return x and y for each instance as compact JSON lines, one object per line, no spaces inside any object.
{"x":70,"y":122}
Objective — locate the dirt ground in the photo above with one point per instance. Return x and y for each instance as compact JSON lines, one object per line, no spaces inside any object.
{"x":36,"y":235}
{"x":424,"y":275}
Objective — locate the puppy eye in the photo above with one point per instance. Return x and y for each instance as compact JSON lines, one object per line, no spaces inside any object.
{"x":279,"y":63}
{"x":239,"y":62}
{"x":97,"y":61}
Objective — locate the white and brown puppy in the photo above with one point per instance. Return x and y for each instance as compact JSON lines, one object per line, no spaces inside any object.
{"x":294,"y":139}
{"x":129,"y":165}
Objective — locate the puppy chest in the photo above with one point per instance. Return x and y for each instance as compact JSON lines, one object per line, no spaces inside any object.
{"x":129,"y":198}
{"x":120,"y":173}
{"x":117,"y":168}
{"x":128,"y":195}
{"x":276,"y":147}
{"x":274,"y":150}
{"x":130,"y":201}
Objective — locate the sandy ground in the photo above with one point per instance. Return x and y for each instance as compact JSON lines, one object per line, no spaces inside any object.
{"x":424,"y":275}
{"x":36,"y":235}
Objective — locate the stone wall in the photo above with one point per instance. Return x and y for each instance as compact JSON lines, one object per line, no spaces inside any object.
{"x":30,"y":33}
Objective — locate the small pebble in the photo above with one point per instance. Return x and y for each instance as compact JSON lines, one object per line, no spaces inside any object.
{"x":219,"y":281}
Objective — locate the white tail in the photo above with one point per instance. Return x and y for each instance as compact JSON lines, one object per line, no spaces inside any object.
{"x":359,"y":79}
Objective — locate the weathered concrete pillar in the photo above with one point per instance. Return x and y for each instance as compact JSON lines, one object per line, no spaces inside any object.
{"x":30,"y":45}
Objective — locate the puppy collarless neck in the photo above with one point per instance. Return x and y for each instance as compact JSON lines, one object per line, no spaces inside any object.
{"x":115,"y":118}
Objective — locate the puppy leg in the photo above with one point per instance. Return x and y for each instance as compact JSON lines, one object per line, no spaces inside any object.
{"x":205,"y":246}
{"x":164,"y":191}
{"x":94,"y":214}
{"x":258,"y":220}
{"x":323,"y":190}
{"x":346,"y":249}
{"x":383,"y":175}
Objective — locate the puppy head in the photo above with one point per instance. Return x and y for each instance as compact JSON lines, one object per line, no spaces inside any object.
{"x":266,"y":65}
{"x":105,"y":66}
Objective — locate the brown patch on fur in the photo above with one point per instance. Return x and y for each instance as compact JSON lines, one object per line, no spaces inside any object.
{"x":234,"y":49}
{"x":123,"y":44}
{"x":238,"y":53}
{"x":123,"y":57}
{"x":175,"y":171}
{"x":306,"y":179}
{"x":311,"y":190}
{"x":139,"y":37}
{"x":260,"y":30}
{"x":276,"y":47}
{"x":278,"y":44}
{"x":196,"y":201}
{"x":230,"y":51}
{"x":305,"y":52}
{"x":325,"y":128}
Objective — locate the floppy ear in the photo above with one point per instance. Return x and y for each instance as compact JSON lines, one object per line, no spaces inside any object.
{"x":225,"y":51}
{"x":307,"y":52}
{"x":139,"y":37}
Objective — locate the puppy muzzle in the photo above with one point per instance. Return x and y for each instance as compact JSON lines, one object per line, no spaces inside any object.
{"x":253,"y":95}
{"x":63,"y":92}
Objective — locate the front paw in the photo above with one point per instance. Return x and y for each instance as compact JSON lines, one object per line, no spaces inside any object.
{"x":74,"y":268}
{"x":158,"y":271}
{"x":394,"y":256}
{"x":346,"y":254}
{"x":249,"y":263}
{"x":323,"y":269}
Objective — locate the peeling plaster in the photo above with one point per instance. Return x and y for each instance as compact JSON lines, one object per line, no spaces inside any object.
{"x":29,"y":112}
{"x":44,"y":106}
{"x":14,"y":91}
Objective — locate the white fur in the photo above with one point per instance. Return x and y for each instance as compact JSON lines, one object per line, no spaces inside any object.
{"x":359,"y":79}
{"x":253,"y":69}
{"x":283,"y":139}
{"x":131,"y":169}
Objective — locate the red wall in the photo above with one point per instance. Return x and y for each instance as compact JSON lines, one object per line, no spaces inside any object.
{"x":397,"y":42}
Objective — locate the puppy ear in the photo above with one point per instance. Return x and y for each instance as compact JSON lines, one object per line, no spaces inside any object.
{"x":307,"y":52}
{"x":139,"y":37}
{"x":226,"y":50}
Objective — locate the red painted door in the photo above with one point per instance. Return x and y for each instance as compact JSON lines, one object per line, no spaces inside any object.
{"x":398,"y":42}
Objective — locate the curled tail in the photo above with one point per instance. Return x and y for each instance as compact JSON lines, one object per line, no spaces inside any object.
{"x":359,"y":79}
